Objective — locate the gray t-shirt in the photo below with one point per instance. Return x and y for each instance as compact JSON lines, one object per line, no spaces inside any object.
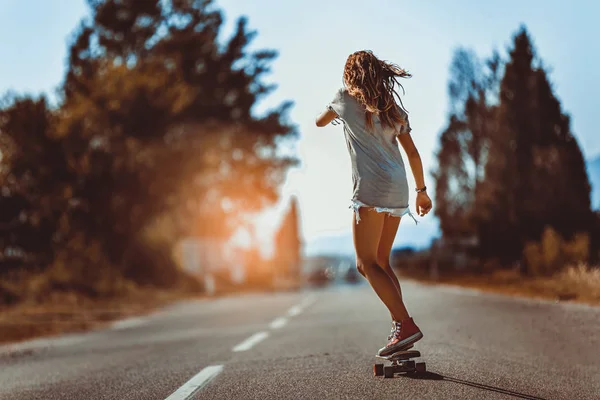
{"x":378,"y":172}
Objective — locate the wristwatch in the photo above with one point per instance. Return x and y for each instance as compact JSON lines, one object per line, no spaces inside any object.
{"x":423,"y":189}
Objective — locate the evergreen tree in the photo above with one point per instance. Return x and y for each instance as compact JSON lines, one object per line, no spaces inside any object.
{"x":508,"y":164}
{"x":560,"y":182}
{"x":288,"y":243}
{"x":535,"y":171}
{"x":509,"y":156}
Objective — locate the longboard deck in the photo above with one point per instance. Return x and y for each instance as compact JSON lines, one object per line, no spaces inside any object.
{"x":401,"y":363}
{"x":401,"y":355}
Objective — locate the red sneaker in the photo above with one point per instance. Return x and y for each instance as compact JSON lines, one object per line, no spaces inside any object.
{"x":406,"y":333}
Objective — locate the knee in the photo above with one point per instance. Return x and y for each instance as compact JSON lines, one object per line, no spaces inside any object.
{"x":383,"y":261}
{"x":360,"y":269}
{"x":365,"y":266}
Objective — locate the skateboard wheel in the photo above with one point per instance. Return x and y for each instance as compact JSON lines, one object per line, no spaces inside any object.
{"x":378,"y":369}
{"x":420,"y":367}
{"x":388,"y":372}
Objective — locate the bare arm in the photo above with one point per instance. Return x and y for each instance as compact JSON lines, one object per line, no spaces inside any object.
{"x":326,"y":117}
{"x":413,"y":158}
{"x":423,"y":201}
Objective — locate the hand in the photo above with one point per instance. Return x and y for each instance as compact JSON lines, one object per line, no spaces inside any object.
{"x":423,"y":204}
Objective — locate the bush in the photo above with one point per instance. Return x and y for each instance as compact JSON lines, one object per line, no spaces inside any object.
{"x":532,"y":257}
{"x":577,"y":250}
{"x":81,"y":268}
{"x":553,"y":253}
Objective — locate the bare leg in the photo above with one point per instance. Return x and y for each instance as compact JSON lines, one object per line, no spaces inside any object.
{"x":367,"y":234}
{"x":388,"y":234}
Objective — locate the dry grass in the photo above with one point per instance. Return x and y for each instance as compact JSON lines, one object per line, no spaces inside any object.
{"x":80,"y":295}
{"x":577,"y":283}
{"x":71,"y":313}
{"x":61,"y":312}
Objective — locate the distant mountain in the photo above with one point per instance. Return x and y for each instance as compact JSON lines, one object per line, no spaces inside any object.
{"x":594,"y":174}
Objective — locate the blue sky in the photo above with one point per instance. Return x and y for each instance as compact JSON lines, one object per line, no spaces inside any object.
{"x":34,"y":36}
{"x":315,"y":37}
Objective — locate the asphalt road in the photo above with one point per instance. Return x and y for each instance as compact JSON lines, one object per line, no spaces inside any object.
{"x":319,"y":344}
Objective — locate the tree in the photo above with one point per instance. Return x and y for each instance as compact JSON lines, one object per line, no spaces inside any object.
{"x":288,"y":242}
{"x":508,"y":164}
{"x":535,"y":170}
{"x":34,"y":181}
{"x":464,"y":142}
{"x":156,"y":120}
{"x":165,"y":100}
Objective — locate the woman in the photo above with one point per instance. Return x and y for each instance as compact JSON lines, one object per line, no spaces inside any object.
{"x":373,"y":123}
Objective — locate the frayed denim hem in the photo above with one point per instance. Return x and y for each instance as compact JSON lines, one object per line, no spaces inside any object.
{"x":396,"y":212}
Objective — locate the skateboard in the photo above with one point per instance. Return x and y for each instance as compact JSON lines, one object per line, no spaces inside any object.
{"x":401,"y":362}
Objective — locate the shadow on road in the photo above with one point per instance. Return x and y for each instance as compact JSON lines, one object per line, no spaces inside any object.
{"x":438,"y":377}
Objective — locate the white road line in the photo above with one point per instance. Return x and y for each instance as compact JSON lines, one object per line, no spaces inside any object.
{"x":298,"y":308}
{"x":188,"y":389}
{"x":292,"y":312}
{"x":251,"y":341}
{"x":278,"y":323}
{"x":308,"y":301}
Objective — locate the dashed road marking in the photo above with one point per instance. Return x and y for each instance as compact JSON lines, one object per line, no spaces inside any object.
{"x":278,"y":323}
{"x":188,"y":389}
{"x":298,"y":308}
{"x":292,"y":312}
{"x":251,"y":341}
{"x":191,"y":387}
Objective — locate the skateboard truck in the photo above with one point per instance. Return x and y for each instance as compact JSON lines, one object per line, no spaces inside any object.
{"x":401,"y":363}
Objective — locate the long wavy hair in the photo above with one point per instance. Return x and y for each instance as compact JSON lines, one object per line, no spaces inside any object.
{"x":372,"y":82}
